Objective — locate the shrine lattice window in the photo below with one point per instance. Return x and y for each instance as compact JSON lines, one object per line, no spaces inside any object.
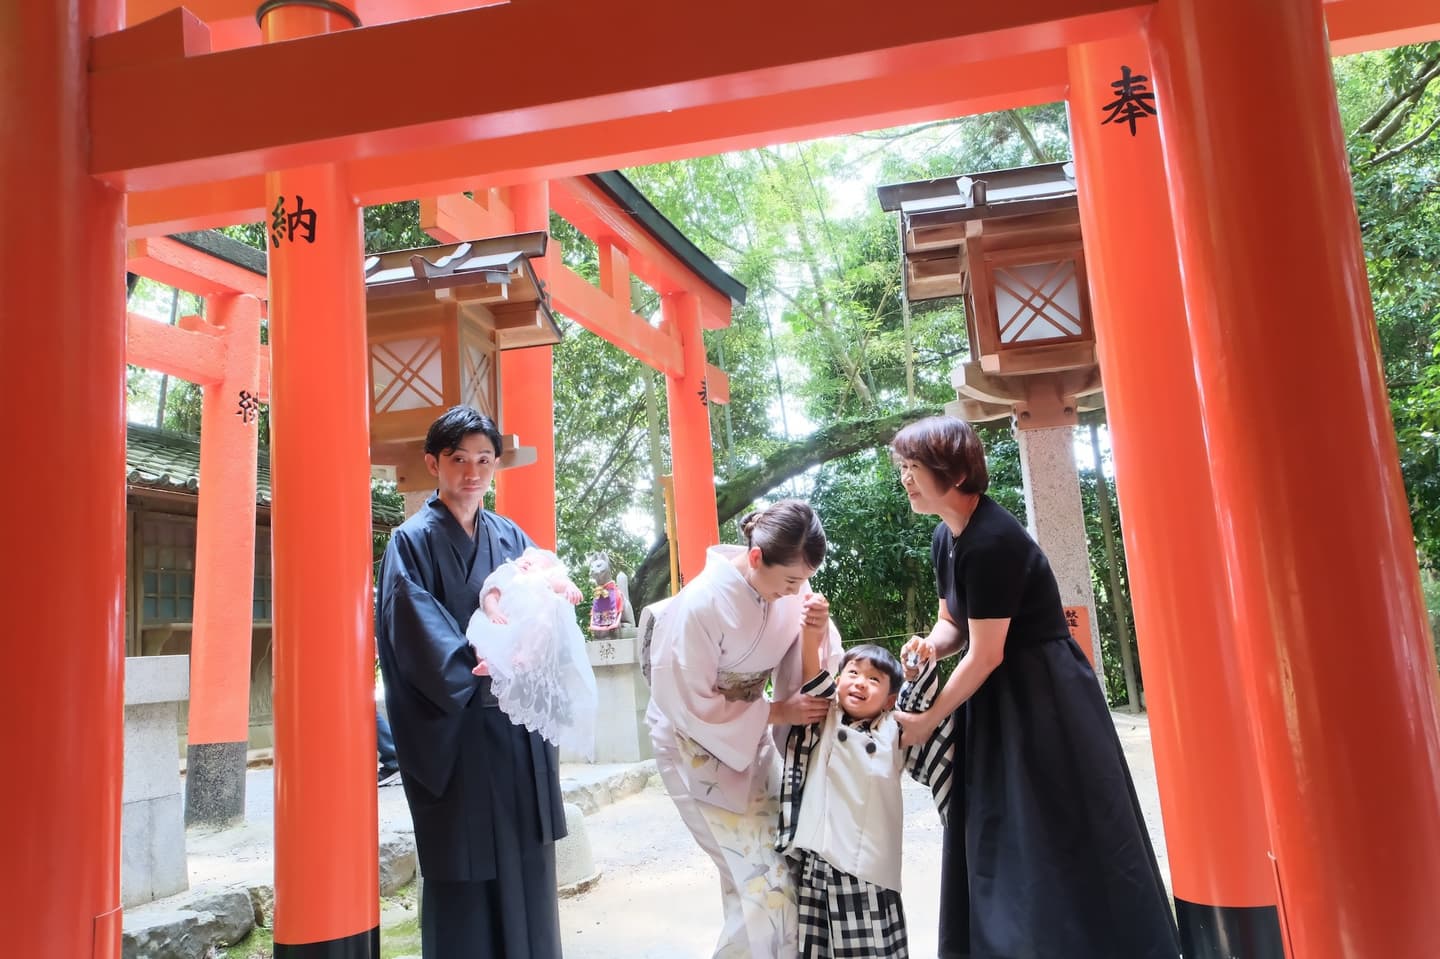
{"x":167,"y":568}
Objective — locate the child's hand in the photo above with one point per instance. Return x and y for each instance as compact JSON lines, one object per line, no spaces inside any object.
{"x":498,"y":618}
{"x":573,"y":594}
{"x":482,"y":668}
{"x":815,"y":611}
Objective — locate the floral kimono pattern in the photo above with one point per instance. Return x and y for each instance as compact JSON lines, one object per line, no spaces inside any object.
{"x":715,"y":647}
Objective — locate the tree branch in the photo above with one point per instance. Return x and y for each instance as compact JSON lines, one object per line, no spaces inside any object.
{"x":787,"y":461}
{"x":1391,"y":154}
{"x":1023,"y":128}
{"x":1427,"y":72}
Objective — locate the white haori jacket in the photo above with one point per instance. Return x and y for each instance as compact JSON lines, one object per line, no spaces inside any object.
{"x":715,"y":646}
{"x":840,"y":796}
{"x":852,"y":815}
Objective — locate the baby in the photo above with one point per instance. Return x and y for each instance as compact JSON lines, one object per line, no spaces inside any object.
{"x":842,"y":818}
{"x":526,"y":639}
{"x":533,"y":567}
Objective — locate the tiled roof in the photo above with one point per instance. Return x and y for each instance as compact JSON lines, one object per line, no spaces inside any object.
{"x":157,"y":459}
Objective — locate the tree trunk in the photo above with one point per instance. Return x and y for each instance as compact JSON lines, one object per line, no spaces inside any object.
{"x":657,"y":458}
{"x":1117,"y":595}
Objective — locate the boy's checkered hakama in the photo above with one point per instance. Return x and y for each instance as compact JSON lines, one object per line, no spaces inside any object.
{"x":843,"y":917}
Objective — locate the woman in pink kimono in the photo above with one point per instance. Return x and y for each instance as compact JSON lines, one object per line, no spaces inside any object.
{"x":733,"y":630}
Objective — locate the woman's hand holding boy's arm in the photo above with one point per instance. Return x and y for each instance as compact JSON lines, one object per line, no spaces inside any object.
{"x":945,"y":639}
{"x":799,"y":710}
{"x":916,"y":728}
{"x":803,"y":709}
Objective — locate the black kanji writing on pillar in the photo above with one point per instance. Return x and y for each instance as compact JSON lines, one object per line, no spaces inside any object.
{"x":249,"y":407}
{"x":303,"y":219}
{"x":704,"y":392}
{"x":279,"y":224}
{"x":1072,"y":618}
{"x":290,"y":226}
{"x":1133,"y":101}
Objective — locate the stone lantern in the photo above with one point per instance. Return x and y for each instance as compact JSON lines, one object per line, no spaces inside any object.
{"x":437,"y":319}
{"x":1008,"y":242}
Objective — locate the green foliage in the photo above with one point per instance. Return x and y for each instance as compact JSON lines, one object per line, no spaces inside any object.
{"x":877,"y":571}
{"x":1390,"y":105}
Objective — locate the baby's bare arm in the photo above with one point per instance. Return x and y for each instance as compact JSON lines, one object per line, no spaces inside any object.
{"x":491,"y":603}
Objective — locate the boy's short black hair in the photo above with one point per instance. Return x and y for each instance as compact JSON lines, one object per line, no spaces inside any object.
{"x":449,"y":431}
{"x":879,"y":657}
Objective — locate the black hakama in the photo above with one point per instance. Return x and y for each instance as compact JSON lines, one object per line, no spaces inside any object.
{"x":484,"y":794}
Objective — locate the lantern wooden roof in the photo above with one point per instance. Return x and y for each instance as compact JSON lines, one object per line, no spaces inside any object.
{"x":491,"y":282}
{"x":935,"y":217}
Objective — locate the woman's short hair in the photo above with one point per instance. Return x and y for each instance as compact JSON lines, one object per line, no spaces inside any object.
{"x":949,"y":448}
{"x":786,"y":533}
{"x":449,"y":431}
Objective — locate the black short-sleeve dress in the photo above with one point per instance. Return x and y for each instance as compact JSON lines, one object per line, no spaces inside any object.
{"x":1046,"y":853}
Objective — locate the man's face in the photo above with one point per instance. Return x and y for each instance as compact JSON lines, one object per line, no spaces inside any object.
{"x":463,"y":474}
{"x":864,"y":690}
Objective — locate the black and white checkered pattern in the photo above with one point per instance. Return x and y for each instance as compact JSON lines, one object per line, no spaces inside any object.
{"x":842,"y":917}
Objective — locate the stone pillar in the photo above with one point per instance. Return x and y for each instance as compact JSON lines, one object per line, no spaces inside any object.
{"x":152,"y":814}
{"x":1057,"y":520}
{"x":622,"y":694}
{"x":415,"y":500}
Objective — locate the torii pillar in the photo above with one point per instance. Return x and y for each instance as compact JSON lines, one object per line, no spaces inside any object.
{"x":62,"y":400}
{"x":326,"y":860}
{"x":219,"y":719}
{"x":1330,"y":626}
{"x":1215,"y":830}
{"x":527,"y":405}
{"x":692,"y":457}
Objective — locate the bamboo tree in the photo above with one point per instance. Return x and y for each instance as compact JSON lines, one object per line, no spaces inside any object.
{"x":1117,"y":594}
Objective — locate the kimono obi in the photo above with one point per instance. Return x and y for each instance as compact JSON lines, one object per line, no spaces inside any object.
{"x":742,"y":687}
{"x":851,"y":812}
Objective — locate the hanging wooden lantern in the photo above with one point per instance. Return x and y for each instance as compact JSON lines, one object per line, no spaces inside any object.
{"x":1008,"y":242}
{"x":437,"y":319}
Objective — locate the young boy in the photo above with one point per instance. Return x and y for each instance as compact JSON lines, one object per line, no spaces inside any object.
{"x":841,"y":815}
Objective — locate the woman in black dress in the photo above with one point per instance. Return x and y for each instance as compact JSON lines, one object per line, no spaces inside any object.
{"x":1045,"y":851}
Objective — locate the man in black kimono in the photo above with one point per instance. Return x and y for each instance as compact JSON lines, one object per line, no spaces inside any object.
{"x":484,"y":793}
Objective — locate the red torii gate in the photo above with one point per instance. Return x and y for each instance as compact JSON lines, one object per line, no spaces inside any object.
{"x":117,"y":129}
{"x":224,"y":356}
